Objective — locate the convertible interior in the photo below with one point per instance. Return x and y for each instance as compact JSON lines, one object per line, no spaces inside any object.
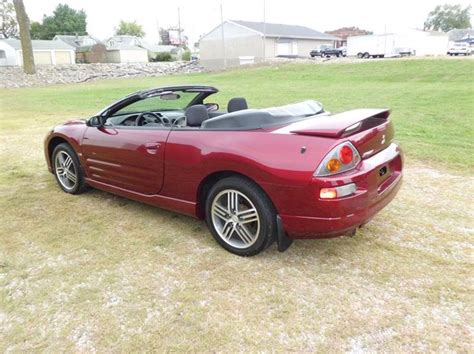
{"x":238,"y":115}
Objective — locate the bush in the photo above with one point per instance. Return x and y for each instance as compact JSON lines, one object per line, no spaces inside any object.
{"x":163,"y":57}
{"x":186,"y":55}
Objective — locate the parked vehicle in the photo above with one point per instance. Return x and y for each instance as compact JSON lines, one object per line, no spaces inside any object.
{"x":254,"y":175}
{"x":459,"y":49}
{"x":326,"y":51}
{"x":371,"y":46}
{"x":405,"y":51}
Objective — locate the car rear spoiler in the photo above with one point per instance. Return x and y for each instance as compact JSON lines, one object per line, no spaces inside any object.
{"x":345,"y":123}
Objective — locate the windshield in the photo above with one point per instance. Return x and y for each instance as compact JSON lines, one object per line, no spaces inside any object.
{"x":174,"y":101}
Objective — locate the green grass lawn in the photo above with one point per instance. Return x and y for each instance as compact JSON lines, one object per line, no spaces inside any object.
{"x":99,"y":273}
{"x":432,"y":101}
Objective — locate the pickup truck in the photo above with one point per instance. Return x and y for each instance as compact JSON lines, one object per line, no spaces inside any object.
{"x":326,"y":52}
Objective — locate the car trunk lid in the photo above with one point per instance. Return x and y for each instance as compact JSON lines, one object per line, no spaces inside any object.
{"x":370,"y":130}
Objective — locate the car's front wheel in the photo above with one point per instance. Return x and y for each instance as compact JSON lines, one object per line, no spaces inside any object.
{"x":67,"y":169}
{"x":240,"y":216}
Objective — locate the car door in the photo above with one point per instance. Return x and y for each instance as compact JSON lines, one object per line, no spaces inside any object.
{"x":131,"y":158}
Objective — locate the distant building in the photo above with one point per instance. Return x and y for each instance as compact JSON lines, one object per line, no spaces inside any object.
{"x":462,"y":35}
{"x":125,"y":49}
{"x":345,"y":32}
{"x":88,"y":49}
{"x":44,"y":52}
{"x":245,"y":41}
{"x":152,"y":50}
{"x":77,"y":41}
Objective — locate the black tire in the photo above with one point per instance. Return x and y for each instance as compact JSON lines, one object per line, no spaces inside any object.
{"x":79,"y":185}
{"x":360,"y":55}
{"x":366,"y":55}
{"x":264,"y":208}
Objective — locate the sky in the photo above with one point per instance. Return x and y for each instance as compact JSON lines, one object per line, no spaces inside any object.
{"x":200,"y":16}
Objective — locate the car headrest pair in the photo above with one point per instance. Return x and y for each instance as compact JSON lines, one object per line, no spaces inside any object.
{"x":197,"y":114}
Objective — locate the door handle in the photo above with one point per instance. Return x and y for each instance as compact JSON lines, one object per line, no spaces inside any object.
{"x":152,"y":148}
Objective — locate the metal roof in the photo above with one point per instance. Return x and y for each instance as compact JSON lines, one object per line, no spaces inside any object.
{"x":285,"y":31}
{"x":39,"y":44}
{"x":75,"y":41}
{"x":460,"y":34}
{"x":124,"y":46}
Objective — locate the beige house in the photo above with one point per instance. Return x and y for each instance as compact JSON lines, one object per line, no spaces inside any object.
{"x":241,"y":42}
{"x":44,"y":52}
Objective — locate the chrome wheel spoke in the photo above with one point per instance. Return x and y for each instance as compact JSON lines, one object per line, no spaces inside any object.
{"x":220,"y":211}
{"x":248,"y":216}
{"x":71,"y":176}
{"x":233,"y":201}
{"x":67,"y":163}
{"x":244,"y":234}
{"x":228,"y":230}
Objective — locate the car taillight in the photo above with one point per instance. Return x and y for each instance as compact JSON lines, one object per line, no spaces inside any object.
{"x":342,"y":158}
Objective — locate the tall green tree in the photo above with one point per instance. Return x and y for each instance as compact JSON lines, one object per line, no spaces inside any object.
{"x":129,"y":28}
{"x":8,"y":24}
{"x":64,"y":20}
{"x":447,"y":17}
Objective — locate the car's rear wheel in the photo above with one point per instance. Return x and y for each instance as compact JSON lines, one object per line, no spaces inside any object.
{"x":240,"y":216}
{"x":67,"y":169}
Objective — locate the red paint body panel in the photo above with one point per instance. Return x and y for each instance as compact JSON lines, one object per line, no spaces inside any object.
{"x":166,"y":168}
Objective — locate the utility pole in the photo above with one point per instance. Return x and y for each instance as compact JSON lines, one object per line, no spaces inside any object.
{"x":264,"y":30}
{"x":223,"y":39}
{"x":158,"y":30}
{"x":179,"y":27}
{"x":25,"y":37}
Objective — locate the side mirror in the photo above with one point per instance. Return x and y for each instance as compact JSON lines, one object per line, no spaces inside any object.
{"x":212,"y":107}
{"x":94,"y":122}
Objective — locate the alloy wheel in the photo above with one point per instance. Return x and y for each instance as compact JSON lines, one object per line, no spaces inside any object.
{"x":235,"y":218}
{"x":65,"y":170}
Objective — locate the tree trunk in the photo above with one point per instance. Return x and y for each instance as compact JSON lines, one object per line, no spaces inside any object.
{"x":26,"y":47}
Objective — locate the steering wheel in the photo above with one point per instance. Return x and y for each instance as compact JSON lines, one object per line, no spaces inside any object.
{"x":142,"y":118}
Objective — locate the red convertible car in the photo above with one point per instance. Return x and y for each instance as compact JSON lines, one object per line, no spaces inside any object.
{"x":255,"y":175}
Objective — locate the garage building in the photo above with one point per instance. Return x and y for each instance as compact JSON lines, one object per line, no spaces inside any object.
{"x":244,"y":41}
{"x":44,"y":52}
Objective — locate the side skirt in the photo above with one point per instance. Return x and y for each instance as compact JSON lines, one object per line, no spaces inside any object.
{"x":160,"y":201}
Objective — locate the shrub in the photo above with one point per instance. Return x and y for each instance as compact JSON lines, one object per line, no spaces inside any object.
{"x":186,"y":55}
{"x":163,"y":57}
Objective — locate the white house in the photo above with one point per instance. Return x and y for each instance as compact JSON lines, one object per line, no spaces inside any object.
{"x":125,"y":49}
{"x":44,"y":52}
{"x":235,"y":40}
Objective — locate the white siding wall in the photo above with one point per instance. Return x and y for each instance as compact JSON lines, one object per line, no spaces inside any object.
{"x":133,"y":56}
{"x":10,"y":55}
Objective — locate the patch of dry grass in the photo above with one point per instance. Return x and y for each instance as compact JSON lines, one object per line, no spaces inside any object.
{"x":100,"y":273}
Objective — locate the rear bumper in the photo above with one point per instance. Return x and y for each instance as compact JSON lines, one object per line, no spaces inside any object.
{"x":336,"y":217}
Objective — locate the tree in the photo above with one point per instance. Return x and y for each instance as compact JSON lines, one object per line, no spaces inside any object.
{"x":8,"y":24}
{"x":130,"y":28}
{"x":26,"y":47}
{"x":447,"y":17}
{"x":64,"y":20}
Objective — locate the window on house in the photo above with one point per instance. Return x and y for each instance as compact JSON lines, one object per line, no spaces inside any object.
{"x":2,"y":54}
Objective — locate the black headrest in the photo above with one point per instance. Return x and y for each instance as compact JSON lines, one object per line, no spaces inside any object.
{"x":195,"y":115}
{"x":237,"y":104}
